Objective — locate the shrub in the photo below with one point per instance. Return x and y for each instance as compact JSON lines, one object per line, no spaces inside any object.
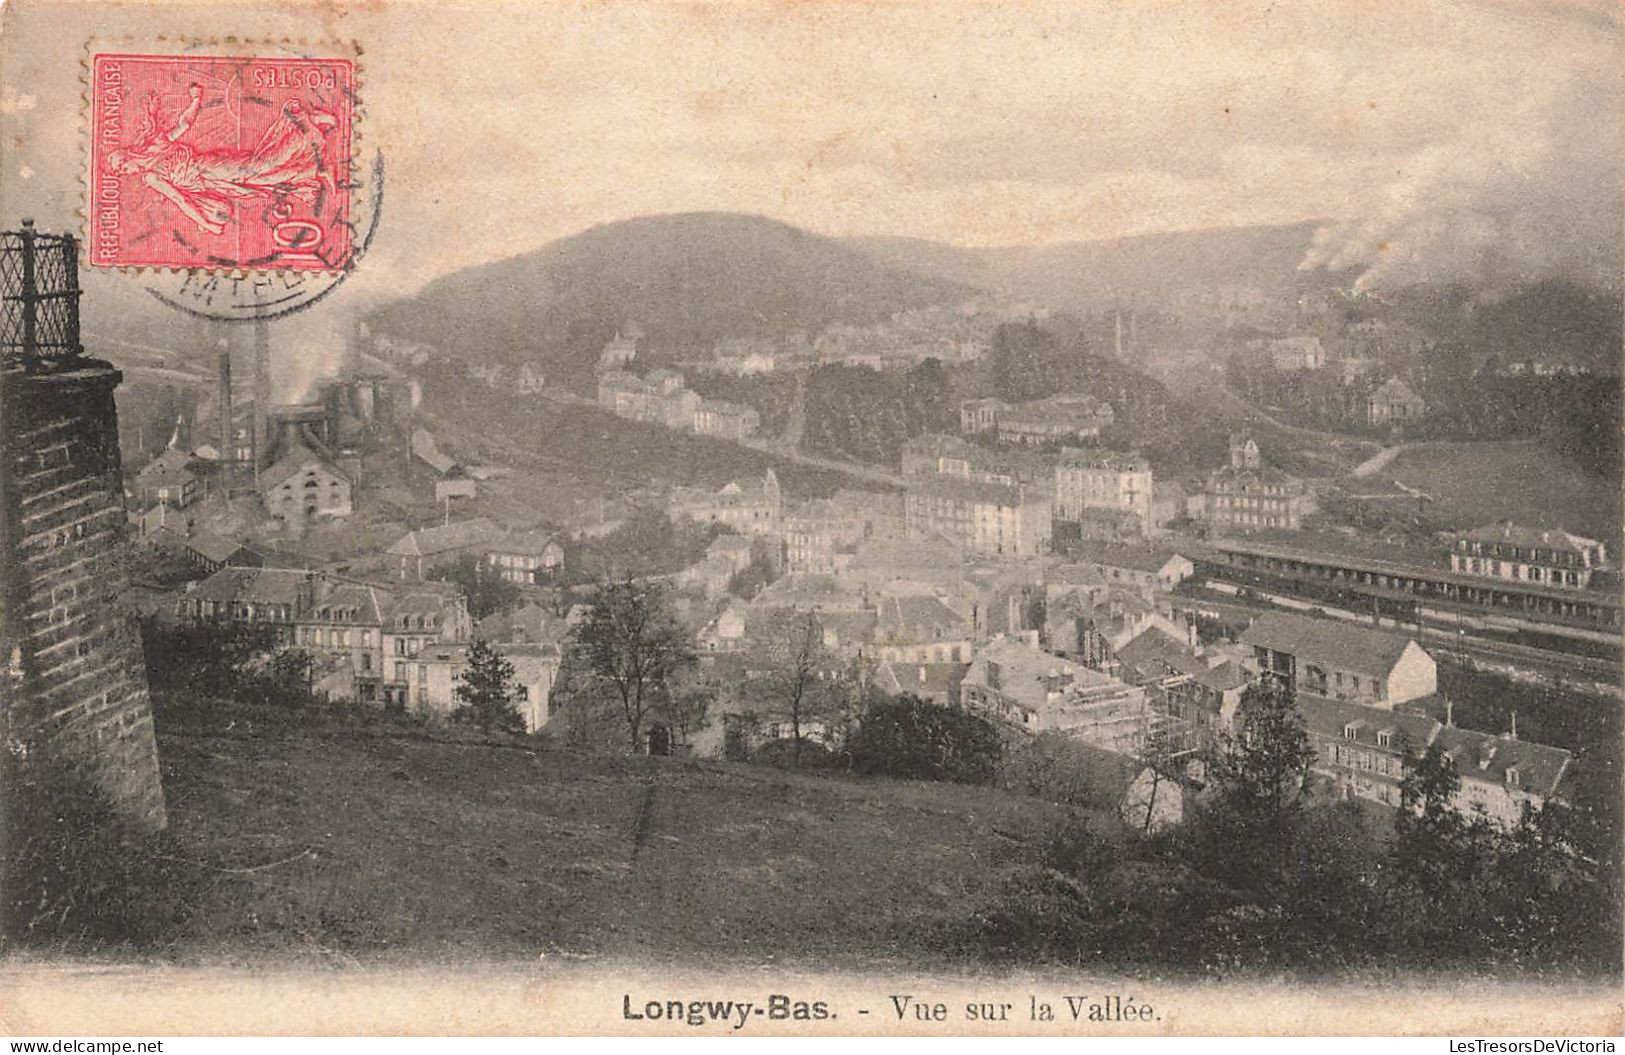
{"x":77,"y":879}
{"x":782,"y":754}
{"x":908,"y":737}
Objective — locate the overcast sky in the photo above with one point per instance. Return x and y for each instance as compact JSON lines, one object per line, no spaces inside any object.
{"x":1430,"y":134}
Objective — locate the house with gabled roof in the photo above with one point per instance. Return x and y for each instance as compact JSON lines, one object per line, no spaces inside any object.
{"x":1341,"y":660}
{"x":423,"y":551}
{"x":434,"y":674}
{"x":1142,"y":567}
{"x":1201,"y":690}
{"x":1363,"y":750}
{"x":273,"y":596}
{"x":170,"y":479}
{"x":936,"y":683}
{"x":1501,"y":774}
{"x":920,"y":628}
{"x":1394,"y":404}
{"x":526,"y":557}
{"x":750,"y":507}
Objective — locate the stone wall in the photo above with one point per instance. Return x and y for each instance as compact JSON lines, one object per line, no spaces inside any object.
{"x":74,"y":682}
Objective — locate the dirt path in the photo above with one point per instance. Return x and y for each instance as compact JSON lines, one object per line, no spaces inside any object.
{"x":1375,"y":463}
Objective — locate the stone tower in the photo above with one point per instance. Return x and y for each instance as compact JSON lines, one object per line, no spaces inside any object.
{"x":73,"y":685}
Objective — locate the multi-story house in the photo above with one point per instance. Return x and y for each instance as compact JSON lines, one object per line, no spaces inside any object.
{"x":750,"y":508}
{"x":272,"y":596}
{"x":1341,"y":660}
{"x":979,"y":517}
{"x":729,"y":421}
{"x":426,"y":551}
{"x":1394,"y":404}
{"x":980,"y":415}
{"x":1090,"y":623}
{"x":1549,"y":557}
{"x":1501,"y":774}
{"x":1086,"y":479}
{"x":1361,"y":750}
{"x":920,"y":628}
{"x":416,"y":616}
{"x":1364,"y":753}
{"x":1055,"y":420}
{"x":1249,"y":495}
{"x":526,"y":557}
{"x":168,"y":480}
{"x":816,"y":532}
{"x":435,"y":672}
{"x":342,"y":627}
{"x":1291,"y":354}
{"x":1143,"y":568}
{"x":1198,"y":691}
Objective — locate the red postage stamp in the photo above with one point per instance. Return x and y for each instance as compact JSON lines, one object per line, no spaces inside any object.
{"x":220,"y":162}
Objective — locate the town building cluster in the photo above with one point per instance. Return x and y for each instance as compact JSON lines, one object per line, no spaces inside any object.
{"x":1095,"y":646}
{"x":660,"y":398}
{"x":1022,"y":571}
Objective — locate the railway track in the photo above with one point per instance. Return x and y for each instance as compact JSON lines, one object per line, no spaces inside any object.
{"x":1444,"y":640}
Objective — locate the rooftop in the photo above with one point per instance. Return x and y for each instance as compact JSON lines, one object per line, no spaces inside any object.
{"x":955,"y":488}
{"x":1342,"y":720}
{"x":1027,"y":675}
{"x":212,"y":546}
{"x":1348,"y":646}
{"x":170,"y":464}
{"x":913,"y":614}
{"x":1112,"y":555}
{"x":294,"y":462}
{"x":446,"y":538}
{"x":1518,"y":535}
{"x":1114,"y":461}
{"x":529,"y":543}
{"x":1485,"y":756}
{"x":921,"y":678}
{"x":252,"y":586}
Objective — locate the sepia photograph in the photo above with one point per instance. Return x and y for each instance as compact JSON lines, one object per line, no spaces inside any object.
{"x":864,"y":518}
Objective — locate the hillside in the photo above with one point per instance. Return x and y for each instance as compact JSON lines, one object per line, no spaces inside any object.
{"x":394,"y":848}
{"x":687,"y":280}
{"x":1090,"y":275}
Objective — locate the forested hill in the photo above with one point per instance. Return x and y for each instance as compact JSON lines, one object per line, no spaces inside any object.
{"x":687,"y":280}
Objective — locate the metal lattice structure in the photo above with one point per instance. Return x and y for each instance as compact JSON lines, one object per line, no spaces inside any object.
{"x":39,"y":281}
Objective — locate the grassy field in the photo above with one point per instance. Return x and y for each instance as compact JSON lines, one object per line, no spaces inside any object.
{"x":1479,"y":483}
{"x":373,"y":846}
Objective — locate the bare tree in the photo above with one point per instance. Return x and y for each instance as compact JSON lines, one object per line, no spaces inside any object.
{"x":1160,"y":753}
{"x":632,"y":642}
{"x":799,"y":658}
{"x":684,"y":707}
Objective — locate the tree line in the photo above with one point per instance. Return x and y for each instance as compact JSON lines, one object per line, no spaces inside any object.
{"x":1263,"y":877}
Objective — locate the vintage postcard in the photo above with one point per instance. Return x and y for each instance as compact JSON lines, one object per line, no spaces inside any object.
{"x":749,"y":519}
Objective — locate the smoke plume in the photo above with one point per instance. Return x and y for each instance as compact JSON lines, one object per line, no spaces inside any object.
{"x":1516,"y":198}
